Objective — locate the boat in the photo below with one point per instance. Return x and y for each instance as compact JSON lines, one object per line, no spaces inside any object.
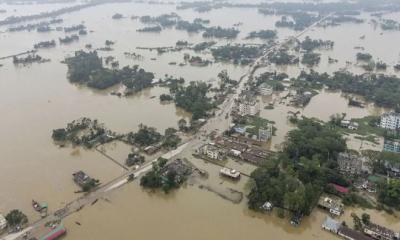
{"x":39,"y":206}
{"x":55,"y":233}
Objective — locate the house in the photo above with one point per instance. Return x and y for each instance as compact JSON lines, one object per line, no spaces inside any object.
{"x":350,"y":163}
{"x":390,"y":120}
{"x":345,"y":123}
{"x":339,"y":188}
{"x":267,"y":206}
{"x":331,"y":225}
{"x":334,"y":206}
{"x":351,"y":234}
{"x":55,"y":233}
{"x":380,"y":232}
{"x":254,"y":159}
{"x":353,"y":126}
{"x":3,"y":223}
{"x":391,"y":146}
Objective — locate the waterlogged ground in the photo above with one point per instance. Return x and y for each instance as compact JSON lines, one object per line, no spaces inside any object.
{"x":38,"y":98}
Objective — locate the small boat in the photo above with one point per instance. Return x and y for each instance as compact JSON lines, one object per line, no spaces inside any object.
{"x":39,"y":206}
{"x":36,"y":206}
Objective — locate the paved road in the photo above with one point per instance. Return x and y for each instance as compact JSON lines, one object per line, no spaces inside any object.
{"x":219,"y":122}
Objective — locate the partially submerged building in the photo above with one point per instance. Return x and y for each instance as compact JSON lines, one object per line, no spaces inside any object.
{"x":331,"y":225}
{"x":351,"y":163}
{"x":334,"y":206}
{"x":380,"y":232}
{"x":213,"y":152}
{"x":351,"y":234}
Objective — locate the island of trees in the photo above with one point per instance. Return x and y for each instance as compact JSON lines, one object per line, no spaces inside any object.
{"x":87,"y":68}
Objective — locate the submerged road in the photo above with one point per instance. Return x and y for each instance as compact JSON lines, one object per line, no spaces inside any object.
{"x":218,"y":122}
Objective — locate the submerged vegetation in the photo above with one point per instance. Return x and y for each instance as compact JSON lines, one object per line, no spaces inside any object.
{"x":87,"y":68}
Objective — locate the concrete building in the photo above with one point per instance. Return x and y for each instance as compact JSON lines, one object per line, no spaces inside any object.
{"x":350,"y":163}
{"x":390,"y":121}
{"x":391,"y":146}
{"x":248,"y":108}
{"x":265,"y":134}
{"x":213,"y":152}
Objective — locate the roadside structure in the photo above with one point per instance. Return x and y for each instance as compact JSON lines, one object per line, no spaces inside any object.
{"x":390,"y":120}
{"x":380,"y":232}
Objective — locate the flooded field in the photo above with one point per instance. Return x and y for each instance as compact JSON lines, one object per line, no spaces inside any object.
{"x":38,"y":98}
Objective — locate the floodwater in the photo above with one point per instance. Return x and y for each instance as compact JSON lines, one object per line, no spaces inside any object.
{"x":38,"y":98}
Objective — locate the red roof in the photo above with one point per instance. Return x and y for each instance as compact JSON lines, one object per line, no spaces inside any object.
{"x":340,"y":189}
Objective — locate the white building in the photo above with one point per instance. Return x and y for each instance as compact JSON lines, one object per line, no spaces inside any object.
{"x":265,"y":134}
{"x":3,"y":223}
{"x":248,"y":108}
{"x":390,"y":120}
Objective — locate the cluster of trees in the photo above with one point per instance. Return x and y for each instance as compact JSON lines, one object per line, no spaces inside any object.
{"x":69,"y":39}
{"x":263,"y":34}
{"x":145,"y":136}
{"x":45,"y":44}
{"x":84,"y":132}
{"x":134,"y":159}
{"x":282,"y":57}
{"x":301,"y":20}
{"x":295,"y":179}
{"x":364,"y":57}
{"x":193,"y":98}
{"x":309,"y":44}
{"x":87,"y":68}
{"x":219,"y":32}
{"x":160,"y":177}
{"x":15,"y":218}
{"x":236,"y":53}
{"x":150,"y":29}
{"x":273,"y":79}
{"x":389,"y":193}
{"x":311,"y":59}
{"x":203,"y":46}
{"x":379,"y":88}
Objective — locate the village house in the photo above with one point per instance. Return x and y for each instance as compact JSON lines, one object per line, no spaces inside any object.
{"x":334,"y":206}
{"x":390,"y":121}
{"x":350,"y":163}
{"x":380,"y":232}
{"x":349,"y":124}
